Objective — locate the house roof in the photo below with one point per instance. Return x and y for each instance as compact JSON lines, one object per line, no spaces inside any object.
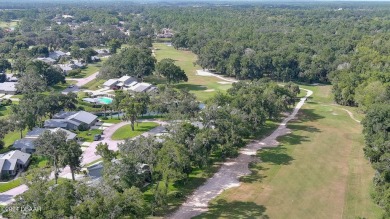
{"x":28,"y":141}
{"x":54,"y":123}
{"x":24,"y":143}
{"x":69,"y":135}
{"x":141,"y":87}
{"x":110,"y":82}
{"x":47,"y":60}
{"x":9,"y":160}
{"x":64,"y":114}
{"x":84,"y":117}
{"x":8,"y":86}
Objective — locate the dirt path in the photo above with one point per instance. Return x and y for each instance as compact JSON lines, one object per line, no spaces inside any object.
{"x":230,"y":172}
{"x":351,"y":115}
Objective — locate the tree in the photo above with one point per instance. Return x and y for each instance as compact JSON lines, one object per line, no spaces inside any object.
{"x":172,"y":160}
{"x":72,"y":156}
{"x":119,"y":96}
{"x":31,"y":83}
{"x":103,"y":151}
{"x":170,"y":71}
{"x":376,"y":130}
{"x":3,"y":77}
{"x":133,"y":61}
{"x":50,"y":74}
{"x":132,"y":109}
{"x":51,"y":145}
{"x":114,"y":45}
{"x":4,"y":65}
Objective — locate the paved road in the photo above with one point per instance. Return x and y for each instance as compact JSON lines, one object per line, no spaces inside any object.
{"x":80,"y":82}
{"x":230,"y":172}
{"x":88,"y":156}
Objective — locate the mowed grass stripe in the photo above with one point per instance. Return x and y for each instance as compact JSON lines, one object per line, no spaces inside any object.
{"x":196,"y":84}
{"x":318,"y":171}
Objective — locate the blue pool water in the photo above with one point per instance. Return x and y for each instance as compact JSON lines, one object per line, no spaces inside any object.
{"x":105,"y":100}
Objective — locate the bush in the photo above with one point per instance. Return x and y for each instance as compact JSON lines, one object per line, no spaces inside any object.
{"x":74,"y":72}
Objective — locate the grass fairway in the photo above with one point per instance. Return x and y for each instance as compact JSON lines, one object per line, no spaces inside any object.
{"x":203,"y":87}
{"x":10,"y":24}
{"x":318,"y":171}
{"x":125,"y":132}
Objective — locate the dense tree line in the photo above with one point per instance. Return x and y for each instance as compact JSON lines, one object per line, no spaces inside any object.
{"x":193,"y":140}
{"x":281,"y":43}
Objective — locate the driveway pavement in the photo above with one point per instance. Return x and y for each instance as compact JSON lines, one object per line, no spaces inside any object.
{"x":80,"y":82}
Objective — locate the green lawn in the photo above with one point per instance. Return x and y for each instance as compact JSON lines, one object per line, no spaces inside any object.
{"x":4,"y":24}
{"x":10,"y":185}
{"x":203,"y":87}
{"x":88,"y":135}
{"x":317,"y":171}
{"x":89,"y":70}
{"x":125,"y":132}
{"x":11,"y":137}
{"x":94,"y":84}
{"x":114,"y":119}
{"x":4,"y":111}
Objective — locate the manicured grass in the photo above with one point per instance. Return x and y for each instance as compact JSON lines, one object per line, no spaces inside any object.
{"x":125,"y":132}
{"x":114,"y":119}
{"x":4,"y":111}
{"x":89,"y":134}
{"x":10,"y":185}
{"x":89,"y":70}
{"x":317,"y":171}
{"x":203,"y":87}
{"x":4,"y":24}
{"x":11,"y":137}
{"x":60,"y":87}
{"x":94,"y":84}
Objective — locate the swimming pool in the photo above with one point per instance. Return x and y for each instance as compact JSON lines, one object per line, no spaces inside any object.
{"x":105,"y":100}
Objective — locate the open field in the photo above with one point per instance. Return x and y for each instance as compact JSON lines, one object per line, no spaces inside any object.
{"x":203,"y":87}
{"x":125,"y":132}
{"x":318,"y":171}
{"x":9,"y":24}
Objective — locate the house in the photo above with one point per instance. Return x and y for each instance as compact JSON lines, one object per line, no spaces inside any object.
{"x":142,"y":87}
{"x":57,"y":54}
{"x":48,"y":60}
{"x":125,"y":81}
{"x":72,"y":120}
{"x":27,"y":145}
{"x":111,"y":83}
{"x":12,"y":162}
{"x":8,"y":88}
{"x":66,"y":68}
{"x":95,"y":171}
{"x":102,"y":52}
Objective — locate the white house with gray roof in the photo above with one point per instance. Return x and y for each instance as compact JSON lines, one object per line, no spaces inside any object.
{"x":12,"y":162}
{"x":27,"y":145}
{"x":72,"y":120}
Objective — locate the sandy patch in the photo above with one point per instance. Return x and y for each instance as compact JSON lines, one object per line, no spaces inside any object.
{"x":209,"y":90}
{"x":224,"y":82}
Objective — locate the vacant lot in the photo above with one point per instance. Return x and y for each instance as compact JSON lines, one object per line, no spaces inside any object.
{"x":318,"y":171}
{"x":203,"y":87}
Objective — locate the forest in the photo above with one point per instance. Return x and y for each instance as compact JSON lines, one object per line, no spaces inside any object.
{"x":339,"y":44}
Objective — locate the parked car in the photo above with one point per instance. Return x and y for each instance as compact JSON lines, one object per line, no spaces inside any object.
{"x":97,"y":137}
